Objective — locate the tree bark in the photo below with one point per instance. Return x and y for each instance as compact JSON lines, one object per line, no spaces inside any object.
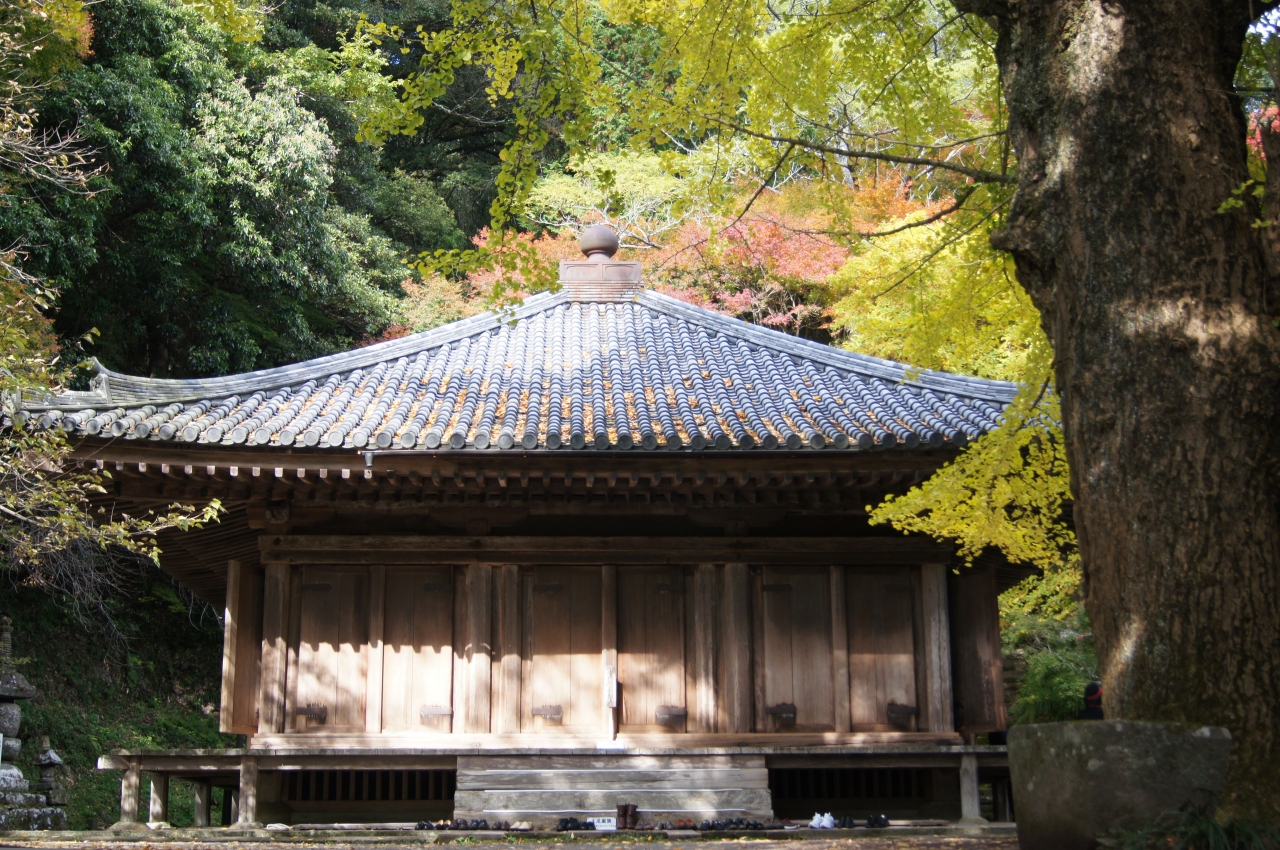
{"x":1161,"y":313}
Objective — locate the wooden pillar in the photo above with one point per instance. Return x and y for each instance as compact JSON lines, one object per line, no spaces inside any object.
{"x":506,"y":691}
{"x":936,"y":644}
{"x":373,"y":681}
{"x":294,"y":617}
{"x":201,"y":803}
{"x":735,"y":645}
{"x":840,"y":651}
{"x":473,"y":657}
{"x":230,"y":635}
{"x":247,"y":799}
{"x":1002,"y":800}
{"x":159,"y":810}
{"x":705,"y":591}
{"x":275,"y":607}
{"x":761,"y":719}
{"x":609,"y":651}
{"x":970,"y":807}
{"x":130,"y":792}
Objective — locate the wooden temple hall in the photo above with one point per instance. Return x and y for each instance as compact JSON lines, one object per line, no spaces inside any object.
{"x":613,"y":549}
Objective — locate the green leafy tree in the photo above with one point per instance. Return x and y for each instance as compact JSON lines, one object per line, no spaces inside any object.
{"x":52,"y":535}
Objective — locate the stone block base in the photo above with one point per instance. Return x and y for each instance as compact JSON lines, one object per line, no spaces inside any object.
{"x":1076,"y":782}
{"x":46,"y":817}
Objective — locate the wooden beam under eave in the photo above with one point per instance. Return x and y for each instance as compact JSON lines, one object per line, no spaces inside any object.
{"x":445,"y":549}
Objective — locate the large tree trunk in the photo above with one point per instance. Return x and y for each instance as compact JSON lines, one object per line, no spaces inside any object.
{"x":1160,"y":311}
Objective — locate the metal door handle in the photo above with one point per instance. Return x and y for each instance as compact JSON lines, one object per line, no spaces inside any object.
{"x":671,"y":715}
{"x":315,"y":712}
{"x":784,"y":712}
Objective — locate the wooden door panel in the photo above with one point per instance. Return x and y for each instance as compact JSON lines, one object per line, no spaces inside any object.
{"x":797,"y":649}
{"x":651,"y":644}
{"x":562,"y":640}
{"x":333,"y":649}
{"x":882,"y":665}
{"x":417,"y":678}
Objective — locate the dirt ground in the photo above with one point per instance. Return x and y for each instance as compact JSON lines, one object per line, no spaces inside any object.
{"x":880,"y":842}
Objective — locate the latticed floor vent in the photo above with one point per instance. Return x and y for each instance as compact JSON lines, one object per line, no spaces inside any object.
{"x":369,"y":785}
{"x":799,"y":791}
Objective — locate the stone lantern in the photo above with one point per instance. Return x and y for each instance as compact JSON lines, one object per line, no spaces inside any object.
{"x":13,"y":687}
{"x":20,"y":807}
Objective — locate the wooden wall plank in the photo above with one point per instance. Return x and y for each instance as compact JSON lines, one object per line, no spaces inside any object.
{"x":779,"y":667}
{"x":609,"y":652}
{"x":474,"y":656}
{"x":562,"y":645}
{"x":735,"y":650}
{"x":839,"y":650}
{"x":882,"y":644}
{"x":811,"y":654}
{"x":761,"y":719}
{"x":936,"y":640}
{"x":333,"y":648}
{"x":291,"y":663}
{"x":705,"y":594}
{"x":651,"y":649}
{"x":975,"y":650}
{"x":418,"y":654}
{"x":506,"y":709}
{"x":274,"y":660}
{"x":373,"y":682}
{"x":230,"y":636}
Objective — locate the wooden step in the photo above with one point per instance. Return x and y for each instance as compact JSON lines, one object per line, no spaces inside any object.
{"x":542,"y":789}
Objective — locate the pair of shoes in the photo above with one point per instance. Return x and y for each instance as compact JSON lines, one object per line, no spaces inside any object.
{"x":822,"y":821}
{"x":628,"y":814}
{"x":573,"y":824}
{"x":521,"y":826}
{"x":877,"y":822}
{"x":682,"y":823}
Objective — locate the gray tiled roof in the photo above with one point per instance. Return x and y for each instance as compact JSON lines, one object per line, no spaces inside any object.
{"x":643,"y":372}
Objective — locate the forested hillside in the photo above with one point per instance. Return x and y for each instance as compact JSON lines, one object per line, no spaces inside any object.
{"x":235,"y":222}
{"x":149,"y":678}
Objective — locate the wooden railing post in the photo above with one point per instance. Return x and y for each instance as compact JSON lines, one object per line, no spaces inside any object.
{"x":970,"y":806}
{"x":159,"y":811}
{"x":247,"y":816}
{"x":202,"y":803}
{"x":130,"y":792}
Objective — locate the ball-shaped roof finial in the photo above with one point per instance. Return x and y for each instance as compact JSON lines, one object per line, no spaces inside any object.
{"x":598,"y":242}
